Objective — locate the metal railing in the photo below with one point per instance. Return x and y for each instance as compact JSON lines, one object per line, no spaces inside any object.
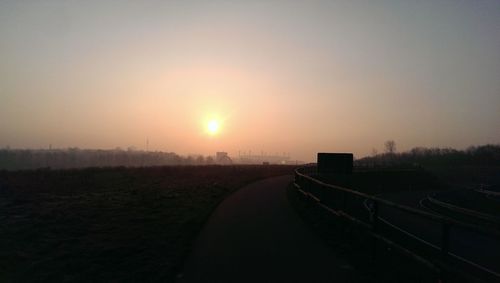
{"x":435,"y":240}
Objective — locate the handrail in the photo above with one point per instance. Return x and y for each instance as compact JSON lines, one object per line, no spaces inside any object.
{"x":444,"y":221}
{"x":466,"y":211}
{"x":437,"y":218}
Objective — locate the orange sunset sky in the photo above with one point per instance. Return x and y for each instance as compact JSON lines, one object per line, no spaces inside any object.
{"x":275,"y":76}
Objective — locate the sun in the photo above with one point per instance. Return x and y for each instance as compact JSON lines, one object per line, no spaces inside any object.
{"x":213,"y":127}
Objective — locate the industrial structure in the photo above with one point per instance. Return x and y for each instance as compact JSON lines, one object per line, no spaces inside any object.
{"x":223,"y":158}
{"x":249,"y":158}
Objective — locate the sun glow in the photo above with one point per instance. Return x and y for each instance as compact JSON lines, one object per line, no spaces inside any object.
{"x":213,"y":127}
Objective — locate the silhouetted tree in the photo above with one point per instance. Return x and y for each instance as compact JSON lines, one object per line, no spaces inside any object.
{"x":209,"y":160}
{"x":390,"y":146}
{"x":485,"y":155}
{"x":15,"y":159}
{"x":200,"y":160}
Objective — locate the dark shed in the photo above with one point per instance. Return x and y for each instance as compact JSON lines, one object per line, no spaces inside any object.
{"x":335,"y":163}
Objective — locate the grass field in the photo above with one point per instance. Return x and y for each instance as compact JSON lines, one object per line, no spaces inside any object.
{"x":114,"y":224}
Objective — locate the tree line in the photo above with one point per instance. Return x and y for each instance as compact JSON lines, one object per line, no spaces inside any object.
{"x":483,"y":156}
{"x":17,"y":159}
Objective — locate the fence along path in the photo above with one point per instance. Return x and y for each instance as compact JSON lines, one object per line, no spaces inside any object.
{"x":447,"y":239}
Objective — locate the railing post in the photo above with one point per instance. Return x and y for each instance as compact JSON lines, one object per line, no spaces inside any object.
{"x":375,"y":216}
{"x":343,"y":200}
{"x":445,"y":239}
{"x":374,"y":220}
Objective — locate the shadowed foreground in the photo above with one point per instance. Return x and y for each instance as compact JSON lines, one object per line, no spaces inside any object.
{"x":110,"y":224}
{"x":255,"y":236}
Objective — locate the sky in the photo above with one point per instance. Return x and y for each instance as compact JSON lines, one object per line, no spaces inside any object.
{"x":296,"y":77}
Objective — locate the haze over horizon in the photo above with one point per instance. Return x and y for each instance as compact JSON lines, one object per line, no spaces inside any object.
{"x":273,"y":76}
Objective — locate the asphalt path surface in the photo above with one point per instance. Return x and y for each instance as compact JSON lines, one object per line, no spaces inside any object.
{"x":256,"y":236}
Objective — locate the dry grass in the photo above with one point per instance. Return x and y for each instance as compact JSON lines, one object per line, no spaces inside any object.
{"x":115,"y":224}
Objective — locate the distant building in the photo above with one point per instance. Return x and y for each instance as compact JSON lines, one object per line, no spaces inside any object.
{"x":264,"y":159}
{"x":222,"y":158}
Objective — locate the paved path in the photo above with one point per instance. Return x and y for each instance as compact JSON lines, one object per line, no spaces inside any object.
{"x":255,"y":236}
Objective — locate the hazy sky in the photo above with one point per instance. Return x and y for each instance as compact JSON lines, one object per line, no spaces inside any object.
{"x":281,"y":76}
